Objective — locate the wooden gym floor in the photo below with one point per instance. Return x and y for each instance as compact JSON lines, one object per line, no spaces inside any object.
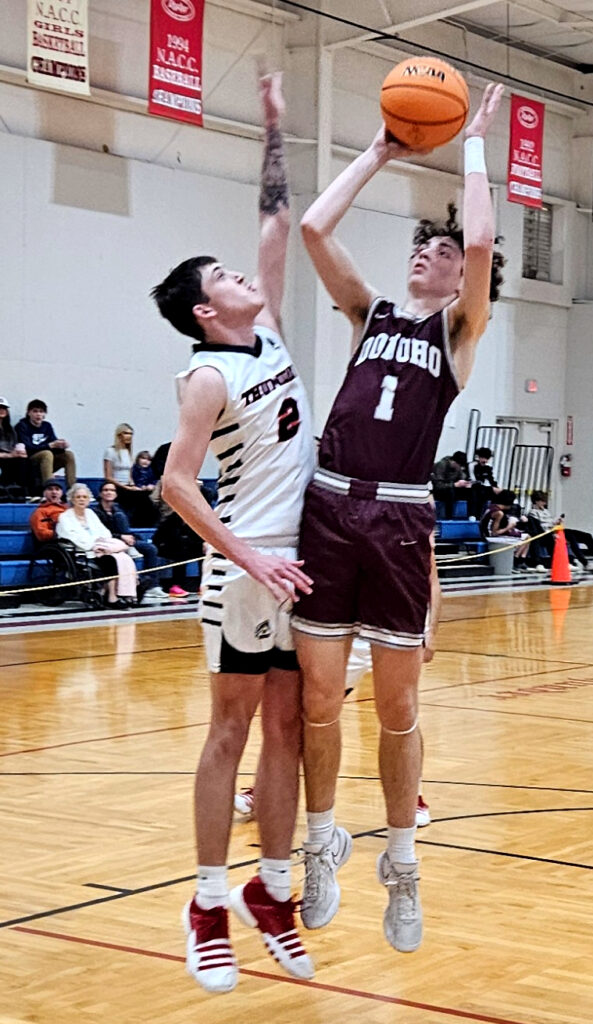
{"x":99,"y":736}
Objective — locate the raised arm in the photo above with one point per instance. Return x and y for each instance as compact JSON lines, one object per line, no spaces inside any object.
{"x":273,"y":203}
{"x":468,"y":315}
{"x":203,"y":399}
{"x":333,"y":262}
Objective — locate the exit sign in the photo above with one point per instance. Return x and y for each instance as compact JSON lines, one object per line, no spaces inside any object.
{"x":531,"y":387}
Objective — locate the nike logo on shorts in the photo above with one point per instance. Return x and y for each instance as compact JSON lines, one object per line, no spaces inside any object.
{"x":406,"y":543}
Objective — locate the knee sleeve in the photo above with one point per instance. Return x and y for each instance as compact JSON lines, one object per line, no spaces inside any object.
{"x":403,"y":732}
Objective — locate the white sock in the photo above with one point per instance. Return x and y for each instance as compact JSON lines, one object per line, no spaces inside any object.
{"x":320,"y":826}
{"x":400,"y":845}
{"x":213,"y":887}
{"x":275,"y":874}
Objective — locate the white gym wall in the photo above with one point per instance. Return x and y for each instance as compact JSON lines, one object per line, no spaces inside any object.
{"x":99,"y":200}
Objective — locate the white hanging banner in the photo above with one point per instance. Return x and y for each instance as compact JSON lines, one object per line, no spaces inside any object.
{"x":57,"y":45}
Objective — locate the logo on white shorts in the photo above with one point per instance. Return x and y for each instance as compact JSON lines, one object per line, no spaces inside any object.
{"x":263,"y":630}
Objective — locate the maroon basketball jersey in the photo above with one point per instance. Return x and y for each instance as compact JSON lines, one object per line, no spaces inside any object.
{"x":386,"y":420}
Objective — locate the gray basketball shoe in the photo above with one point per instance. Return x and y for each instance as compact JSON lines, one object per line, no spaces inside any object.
{"x":321,"y":892}
{"x":402,"y":921}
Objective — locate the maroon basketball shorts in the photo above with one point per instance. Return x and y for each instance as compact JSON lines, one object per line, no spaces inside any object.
{"x":367,"y":549}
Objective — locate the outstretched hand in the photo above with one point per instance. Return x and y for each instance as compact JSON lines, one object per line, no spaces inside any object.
{"x":282,"y":576}
{"x":270,"y":88}
{"x":487,"y":112}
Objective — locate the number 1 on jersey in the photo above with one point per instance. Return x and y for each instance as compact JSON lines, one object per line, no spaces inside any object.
{"x":384,"y":410}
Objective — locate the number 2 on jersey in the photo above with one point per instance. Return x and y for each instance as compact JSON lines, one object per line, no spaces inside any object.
{"x":384,"y":410}
{"x":289,"y":420}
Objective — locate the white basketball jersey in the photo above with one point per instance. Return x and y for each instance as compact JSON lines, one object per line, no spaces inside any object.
{"x":263,"y":439}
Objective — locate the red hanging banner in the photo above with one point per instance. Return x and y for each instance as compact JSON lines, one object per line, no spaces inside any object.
{"x":526,"y":145}
{"x":175,"y":80}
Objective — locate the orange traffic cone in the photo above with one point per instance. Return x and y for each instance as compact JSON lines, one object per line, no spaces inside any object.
{"x":560,"y":565}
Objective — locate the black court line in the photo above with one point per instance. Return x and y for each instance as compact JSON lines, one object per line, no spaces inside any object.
{"x":448,"y":687}
{"x":122,"y":894}
{"x":505,"y":615}
{"x":504,"y":814}
{"x":377,"y":833}
{"x":108,"y":654}
{"x":513,"y":714}
{"x":514,"y":657}
{"x":109,"y":888}
{"x":349,"y":778}
{"x":573,"y":666}
{"x":501,"y":853}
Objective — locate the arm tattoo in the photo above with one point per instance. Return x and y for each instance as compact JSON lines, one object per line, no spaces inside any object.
{"x":274,"y":187}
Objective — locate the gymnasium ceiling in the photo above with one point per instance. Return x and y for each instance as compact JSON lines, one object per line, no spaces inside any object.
{"x":558,"y":32}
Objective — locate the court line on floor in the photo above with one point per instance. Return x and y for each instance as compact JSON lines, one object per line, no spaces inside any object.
{"x":314,"y":985}
{"x":513,"y":856}
{"x":513,"y":714}
{"x":103,"y":739}
{"x":573,"y":666}
{"x":107,"y":654}
{"x":376,"y":833}
{"x":347,"y":778}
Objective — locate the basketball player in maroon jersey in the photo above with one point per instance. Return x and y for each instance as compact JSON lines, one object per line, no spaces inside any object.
{"x":365,"y":533}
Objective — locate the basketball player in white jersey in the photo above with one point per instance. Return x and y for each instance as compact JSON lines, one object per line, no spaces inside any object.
{"x":367,"y":520}
{"x":241,"y":394}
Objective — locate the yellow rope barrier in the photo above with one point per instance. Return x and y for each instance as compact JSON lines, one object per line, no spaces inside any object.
{"x":442,"y":559}
{"x":453,"y":559}
{"x":94,"y":579}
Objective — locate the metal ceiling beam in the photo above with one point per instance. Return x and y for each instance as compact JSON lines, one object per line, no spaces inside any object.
{"x":552,"y":12}
{"x":425,"y":19}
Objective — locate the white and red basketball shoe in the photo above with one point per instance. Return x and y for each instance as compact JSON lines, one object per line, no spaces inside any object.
{"x":209,"y":958}
{"x":254,"y":906}
{"x":244,"y":801}
{"x":422,"y":813}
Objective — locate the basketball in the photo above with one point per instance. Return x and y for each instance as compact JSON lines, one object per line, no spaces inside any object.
{"x":424,"y":102}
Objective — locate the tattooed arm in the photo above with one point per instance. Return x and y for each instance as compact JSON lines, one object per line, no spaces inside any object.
{"x":273,"y":204}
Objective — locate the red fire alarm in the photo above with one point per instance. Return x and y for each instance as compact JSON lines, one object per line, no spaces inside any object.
{"x":531,"y":387}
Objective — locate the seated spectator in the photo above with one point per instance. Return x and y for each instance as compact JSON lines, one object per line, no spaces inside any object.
{"x":47,"y":453}
{"x":117,"y":469}
{"x":450,"y":478}
{"x":116,"y":521}
{"x":79,"y":525}
{"x":484,"y":486}
{"x":497,"y":524}
{"x":142,"y":475}
{"x":482,"y":471}
{"x":13,"y":459}
{"x":175,"y":542}
{"x":45,"y":517}
{"x":539,"y":519}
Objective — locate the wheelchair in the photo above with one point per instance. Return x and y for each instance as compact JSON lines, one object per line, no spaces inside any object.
{"x":57,"y":563}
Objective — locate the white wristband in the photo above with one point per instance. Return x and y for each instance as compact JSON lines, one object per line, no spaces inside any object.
{"x":473,"y":152}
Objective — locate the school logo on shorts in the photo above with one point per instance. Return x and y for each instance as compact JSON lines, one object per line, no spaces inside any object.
{"x":263,"y":630}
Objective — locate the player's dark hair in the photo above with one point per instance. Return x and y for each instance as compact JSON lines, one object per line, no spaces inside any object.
{"x":181,"y":290}
{"x":427,"y":229}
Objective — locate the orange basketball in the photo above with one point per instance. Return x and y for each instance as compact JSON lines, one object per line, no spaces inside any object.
{"x":424,"y":102}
